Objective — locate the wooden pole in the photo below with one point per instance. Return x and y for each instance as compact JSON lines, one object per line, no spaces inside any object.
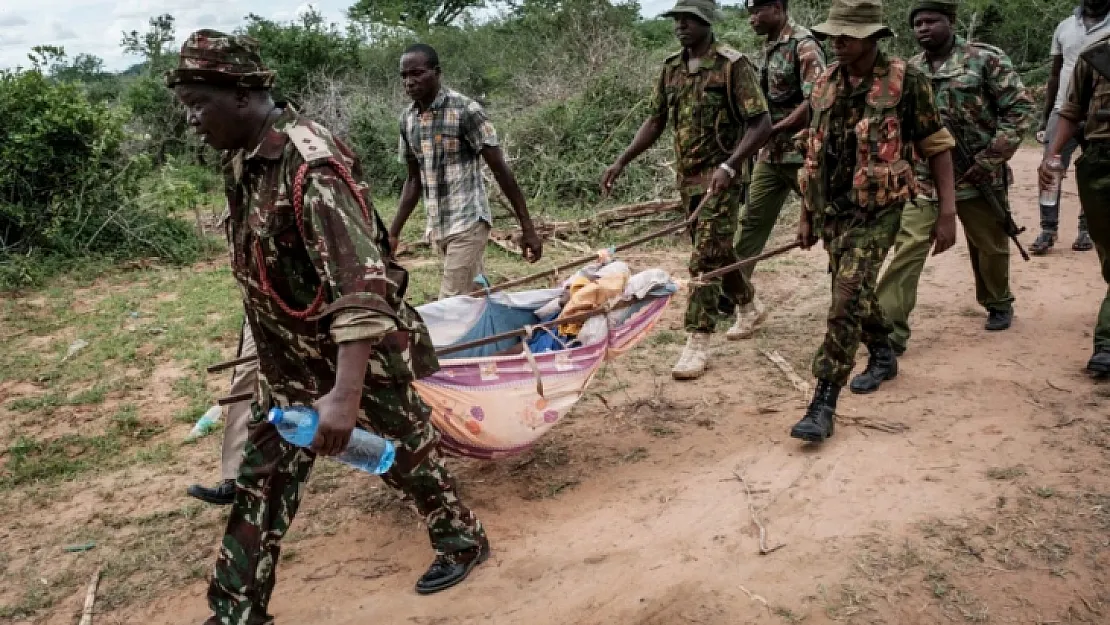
{"x":223,"y":366}
{"x":578,"y":262}
{"x":717,"y":273}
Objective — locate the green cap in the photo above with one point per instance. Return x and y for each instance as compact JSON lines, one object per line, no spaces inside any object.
{"x":944,"y":7}
{"x":705,"y":10}
{"x":858,"y":19}
{"x":215,"y":58}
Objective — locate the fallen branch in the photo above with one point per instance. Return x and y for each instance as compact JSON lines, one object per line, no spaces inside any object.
{"x":755,"y":597}
{"x":507,"y":245}
{"x":1051,"y":385}
{"x":90,"y":600}
{"x":622,"y":215}
{"x":890,"y":427}
{"x":763,"y":550}
{"x":801,"y":385}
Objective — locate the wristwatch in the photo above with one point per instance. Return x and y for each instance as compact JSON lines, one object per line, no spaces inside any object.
{"x":728,"y":170}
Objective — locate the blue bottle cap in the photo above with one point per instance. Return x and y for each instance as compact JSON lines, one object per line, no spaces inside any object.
{"x":276,"y":415}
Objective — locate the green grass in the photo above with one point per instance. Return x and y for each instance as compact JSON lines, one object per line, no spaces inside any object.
{"x":58,"y":459}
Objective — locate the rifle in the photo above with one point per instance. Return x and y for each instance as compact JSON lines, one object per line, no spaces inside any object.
{"x":963,"y":159}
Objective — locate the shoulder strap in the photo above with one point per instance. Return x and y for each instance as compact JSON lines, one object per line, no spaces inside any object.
{"x":1098,"y":57}
{"x":311,"y":147}
{"x":730,"y":95}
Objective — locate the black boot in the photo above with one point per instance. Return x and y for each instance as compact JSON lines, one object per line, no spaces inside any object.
{"x":1099,"y":364}
{"x":818,"y":422}
{"x":450,"y":569}
{"x":882,"y":365}
{"x":222,"y":494}
{"x":999,"y":319}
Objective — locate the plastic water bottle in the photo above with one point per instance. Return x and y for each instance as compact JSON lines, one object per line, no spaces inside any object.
{"x":367,"y":452}
{"x":1050,"y":195}
{"x":205,"y":424}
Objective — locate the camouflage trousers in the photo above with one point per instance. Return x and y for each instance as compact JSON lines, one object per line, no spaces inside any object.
{"x":272,"y":480}
{"x":712,"y":238}
{"x":857,"y":248}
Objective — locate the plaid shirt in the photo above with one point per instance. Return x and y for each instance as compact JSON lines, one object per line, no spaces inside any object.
{"x":445,"y":141}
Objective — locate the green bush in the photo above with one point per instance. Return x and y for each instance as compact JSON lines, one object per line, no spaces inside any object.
{"x":66,"y":188}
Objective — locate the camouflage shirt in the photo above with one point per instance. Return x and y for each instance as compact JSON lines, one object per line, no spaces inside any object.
{"x":982,"y":98}
{"x":1088,"y":99}
{"x":791,"y":64}
{"x":696,"y":104}
{"x":332,"y":243}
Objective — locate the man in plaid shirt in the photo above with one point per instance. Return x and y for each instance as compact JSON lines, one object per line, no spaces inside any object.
{"x":442,"y":135}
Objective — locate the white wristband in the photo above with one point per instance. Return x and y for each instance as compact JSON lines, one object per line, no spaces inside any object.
{"x":728,"y":169}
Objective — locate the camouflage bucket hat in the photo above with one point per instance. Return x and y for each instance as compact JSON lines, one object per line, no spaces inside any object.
{"x":858,"y":19}
{"x":944,"y":7}
{"x":214,"y":58}
{"x":705,"y":10}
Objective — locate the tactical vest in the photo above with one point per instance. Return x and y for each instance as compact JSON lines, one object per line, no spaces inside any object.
{"x":882,"y":176}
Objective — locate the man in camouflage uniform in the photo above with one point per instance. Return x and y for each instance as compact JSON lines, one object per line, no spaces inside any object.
{"x":326,"y":308}
{"x":869,"y":112}
{"x":710,"y":95}
{"x":982,"y":99}
{"x":1088,"y":100}
{"x":792,"y":60}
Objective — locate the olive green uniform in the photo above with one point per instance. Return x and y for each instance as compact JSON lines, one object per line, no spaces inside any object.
{"x":1088,"y":100}
{"x":982,"y":97}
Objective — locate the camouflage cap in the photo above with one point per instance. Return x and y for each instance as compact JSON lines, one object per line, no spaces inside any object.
{"x":215,"y":58}
{"x":859,"y":19}
{"x":752,"y":4}
{"x":705,"y":10}
{"x":944,"y":7}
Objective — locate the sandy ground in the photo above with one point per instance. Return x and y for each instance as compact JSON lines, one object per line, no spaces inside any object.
{"x":991,"y":506}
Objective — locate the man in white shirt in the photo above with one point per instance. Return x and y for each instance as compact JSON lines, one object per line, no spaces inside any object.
{"x":1090,"y":22}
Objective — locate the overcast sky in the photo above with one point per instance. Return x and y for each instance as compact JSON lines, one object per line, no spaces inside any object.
{"x":95,"y":26}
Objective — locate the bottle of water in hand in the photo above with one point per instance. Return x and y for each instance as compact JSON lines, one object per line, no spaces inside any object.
{"x":367,"y":452}
{"x":1050,"y":195}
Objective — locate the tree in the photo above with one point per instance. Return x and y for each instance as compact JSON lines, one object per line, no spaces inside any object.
{"x":419,"y":15}
{"x":153,"y":45}
{"x":302,"y":49}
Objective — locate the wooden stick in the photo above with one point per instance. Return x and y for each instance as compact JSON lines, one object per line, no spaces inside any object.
{"x":90,"y":600}
{"x":801,"y":385}
{"x":717,"y":273}
{"x":763,"y":549}
{"x":223,"y":366}
{"x":235,"y":399}
{"x":578,"y":262}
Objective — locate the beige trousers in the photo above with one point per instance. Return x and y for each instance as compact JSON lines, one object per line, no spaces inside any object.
{"x":462,"y":255}
{"x":244,"y":379}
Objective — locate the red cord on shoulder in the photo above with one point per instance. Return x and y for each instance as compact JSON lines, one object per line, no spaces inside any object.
{"x":298,"y":210}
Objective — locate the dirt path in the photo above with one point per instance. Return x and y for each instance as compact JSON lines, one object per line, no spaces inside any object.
{"x":991,"y":507}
